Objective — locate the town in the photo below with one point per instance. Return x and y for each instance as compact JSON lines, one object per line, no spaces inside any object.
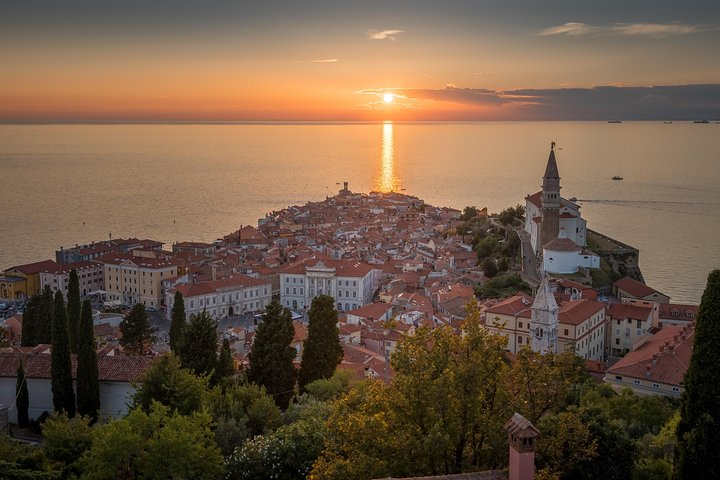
{"x":392,"y":264}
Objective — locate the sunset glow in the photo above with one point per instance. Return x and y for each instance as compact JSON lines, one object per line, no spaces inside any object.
{"x":322,"y":60}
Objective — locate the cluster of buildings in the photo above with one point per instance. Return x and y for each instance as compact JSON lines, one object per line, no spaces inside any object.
{"x":392,"y":263}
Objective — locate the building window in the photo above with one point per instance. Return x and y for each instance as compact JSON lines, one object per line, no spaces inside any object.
{"x":636,"y":382}
{"x":520,"y":324}
{"x":519,"y":340}
{"x":655,"y":385}
{"x":567,"y":332}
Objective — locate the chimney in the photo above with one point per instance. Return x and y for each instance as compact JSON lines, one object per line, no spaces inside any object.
{"x":521,"y":437}
{"x":648,"y":369}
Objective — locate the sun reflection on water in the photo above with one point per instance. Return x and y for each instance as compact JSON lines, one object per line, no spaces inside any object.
{"x":386,"y":181}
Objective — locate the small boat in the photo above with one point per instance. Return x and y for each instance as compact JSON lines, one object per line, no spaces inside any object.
{"x":614,"y":121}
{"x":573,"y":199}
{"x":667,"y":123}
{"x":701,"y":121}
{"x":617,"y":177}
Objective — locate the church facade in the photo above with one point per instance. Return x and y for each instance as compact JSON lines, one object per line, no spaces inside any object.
{"x":557,"y":230}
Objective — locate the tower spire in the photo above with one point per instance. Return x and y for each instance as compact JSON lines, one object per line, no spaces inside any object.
{"x":550,"y":200}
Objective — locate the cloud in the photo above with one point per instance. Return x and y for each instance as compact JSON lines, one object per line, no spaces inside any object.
{"x":484,"y":73}
{"x":383,"y":34}
{"x":681,"y":102}
{"x":325,"y":60}
{"x":656,"y":30}
{"x":571,"y":28}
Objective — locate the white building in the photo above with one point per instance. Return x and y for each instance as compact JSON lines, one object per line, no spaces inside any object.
{"x":349,"y":282}
{"x":222,"y":298}
{"x":563,"y":255}
{"x":90,"y":277}
{"x":117,"y":375}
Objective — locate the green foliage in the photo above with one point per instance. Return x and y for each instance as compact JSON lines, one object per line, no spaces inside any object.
{"x":698,"y":433}
{"x":61,"y":375}
{"x":655,"y":461}
{"x":225,"y":367}
{"x":88,"y":384}
{"x":502,"y":286}
{"x":23,"y":398}
{"x":271,"y":357}
{"x":65,"y":440}
{"x":198,"y":346}
{"x":486,"y":247}
{"x":169,"y":384}
{"x":322,"y":351}
{"x":489,"y":267}
{"x":73,"y":310}
{"x":158,"y":444}
{"x":287,"y":453}
{"x":37,"y":319}
{"x":469,"y":213}
{"x":502,"y":265}
{"x":19,"y":461}
{"x":137,"y":335}
{"x":512,"y":215}
{"x":177,"y":325}
{"x":565,"y":444}
{"x":327,"y":389}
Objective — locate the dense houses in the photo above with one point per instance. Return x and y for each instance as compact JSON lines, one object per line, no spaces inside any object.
{"x":392,"y":264}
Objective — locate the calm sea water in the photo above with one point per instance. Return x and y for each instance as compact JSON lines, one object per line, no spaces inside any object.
{"x":68,"y":184}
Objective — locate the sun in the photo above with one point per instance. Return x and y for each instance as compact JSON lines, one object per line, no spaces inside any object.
{"x":388,"y":97}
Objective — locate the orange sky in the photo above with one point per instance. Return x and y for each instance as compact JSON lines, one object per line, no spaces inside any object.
{"x":187,"y":61}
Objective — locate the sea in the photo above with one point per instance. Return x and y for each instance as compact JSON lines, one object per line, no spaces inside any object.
{"x":63,"y":185}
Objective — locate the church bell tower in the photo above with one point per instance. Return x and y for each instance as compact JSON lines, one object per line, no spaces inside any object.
{"x":544,"y":320}
{"x":550,"y":200}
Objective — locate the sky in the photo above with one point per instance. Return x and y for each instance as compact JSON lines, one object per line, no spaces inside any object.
{"x":358,"y":60}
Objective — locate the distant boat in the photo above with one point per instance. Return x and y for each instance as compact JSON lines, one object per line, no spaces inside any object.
{"x":614,"y":121}
{"x":701,"y":121}
{"x":666,"y":123}
{"x":617,"y":177}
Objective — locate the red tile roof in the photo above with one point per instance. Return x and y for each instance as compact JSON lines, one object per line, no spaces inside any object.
{"x":633,"y":287}
{"x":343,"y":268}
{"x":663,"y":358}
{"x":32,"y":268}
{"x":111,"y":368}
{"x":372,"y":311}
{"x":676,"y":311}
{"x":205,"y":288}
{"x":562,"y":245}
{"x":574,"y":312}
{"x":625,"y":311}
{"x":535,"y":199}
{"x":512,"y":306}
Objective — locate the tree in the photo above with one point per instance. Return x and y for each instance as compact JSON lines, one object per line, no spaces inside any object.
{"x":88,"y":385}
{"x":158,"y":444}
{"x":177,"y":325}
{"x":225,"y":367}
{"x":62,"y":382}
{"x":168,"y":383}
{"x":322,"y":351}
{"x":271,"y":357}
{"x":137,"y":335}
{"x":44,"y":320}
{"x":65,"y":440}
{"x":37,"y":319}
{"x":23,"y":399}
{"x":698,"y":431}
{"x":198,"y":345}
{"x":29,"y":324}
{"x":73,"y":310}
{"x":565,"y":443}
{"x":489,"y":267}
{"x":469,"y":213}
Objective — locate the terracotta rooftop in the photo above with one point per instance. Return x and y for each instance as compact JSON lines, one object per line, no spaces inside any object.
{"x":625,"y":311}
{"x":512,"y":305}
{"x":574,"y":312}
{"x":111,"y":368}
{"x":634,"y":288}
{"x":562,"y":245}
{"x":32,"y":268}
{"x":664,"y":357}
{"x":371,"y":311}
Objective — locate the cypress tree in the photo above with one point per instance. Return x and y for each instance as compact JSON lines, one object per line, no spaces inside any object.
{"x":44,"y":318}
{"x":225,"y":367}
{"x":23,"y":399}
{"x":137,"y":335}
{"x":271,"y":357}
{"x":698,"y":432}
{"x":88,"y":384}
{"x":199,"y":344}
{"x":73,"y":310}
{"x":60,"y":369}
{"x":322,"y":351}
{"x":30,"y":322}
{"x":177,"y":324}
